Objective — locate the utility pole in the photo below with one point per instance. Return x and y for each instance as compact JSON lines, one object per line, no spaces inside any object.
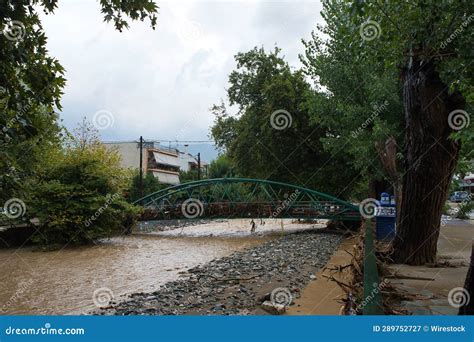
{"x":140,"y":183}
{"x":199,"y":166}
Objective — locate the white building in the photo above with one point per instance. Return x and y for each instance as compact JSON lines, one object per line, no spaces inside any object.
{"x":188,"y":162}
{"x":163,"y":162}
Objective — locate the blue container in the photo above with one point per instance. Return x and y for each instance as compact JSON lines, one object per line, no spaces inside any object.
{"x":386,"y":218}
{"x":384,"y":199}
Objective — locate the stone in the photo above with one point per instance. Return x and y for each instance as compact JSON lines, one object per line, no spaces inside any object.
{"x":284,"y":261}
{"x":264,"y":297}
{"x":273,"y":309}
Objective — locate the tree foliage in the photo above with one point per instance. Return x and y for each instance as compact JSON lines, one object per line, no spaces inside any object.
{"x":221,"y":167}
{"x":417,"y":54}
{"x":32,"y":81}
{"x":357,"y":102}
{"x":79,"y":195}
{"x":272,"y":135}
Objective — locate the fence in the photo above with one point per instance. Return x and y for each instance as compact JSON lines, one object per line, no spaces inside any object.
{"x":372,"y":288}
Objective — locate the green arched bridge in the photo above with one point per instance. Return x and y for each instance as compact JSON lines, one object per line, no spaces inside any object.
{"x":244,"y":198}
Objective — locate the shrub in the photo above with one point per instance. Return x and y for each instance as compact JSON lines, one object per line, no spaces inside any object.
{"x":150,"y":185}
{"x":446,"y":209}
{"x":80,"y":198}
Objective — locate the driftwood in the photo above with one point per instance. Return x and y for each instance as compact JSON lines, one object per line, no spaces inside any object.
{"x":338,"y":268}
{"x":401,"y":276}
{"x":354,"y":287}
{"x":342,"y":284}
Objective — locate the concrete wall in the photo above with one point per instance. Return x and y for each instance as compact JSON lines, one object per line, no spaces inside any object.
{"x":129,"y":152}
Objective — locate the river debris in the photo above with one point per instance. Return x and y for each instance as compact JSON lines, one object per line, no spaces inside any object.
{"x":273,"y":309}
{"x":242,"y":283}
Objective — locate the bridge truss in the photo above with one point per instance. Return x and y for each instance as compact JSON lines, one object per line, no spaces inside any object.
{"x":244,"y":198}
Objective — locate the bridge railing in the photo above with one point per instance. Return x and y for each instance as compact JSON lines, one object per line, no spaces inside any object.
{"x":245,"y":197}
{"x":372,"y":303}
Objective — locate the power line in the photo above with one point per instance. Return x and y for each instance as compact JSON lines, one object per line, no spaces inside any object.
{"x":161,"y":141}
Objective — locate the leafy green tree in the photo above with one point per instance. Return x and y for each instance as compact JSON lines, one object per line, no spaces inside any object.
{"x":420,"y":52}
{"x":357,"y":102}
{"x":221,"y":167}
{"x":31,"y":82}
{"x":20,"y":158}
{"x":272,"y":136}
{"x":224,"y":129}
{"x":80,"y":195}
{"x":430,"y":42}
{"x":190,"y":176}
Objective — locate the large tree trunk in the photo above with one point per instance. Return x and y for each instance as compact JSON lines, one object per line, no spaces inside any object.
{"x":388,"y":157}
{"x":430,"y":159}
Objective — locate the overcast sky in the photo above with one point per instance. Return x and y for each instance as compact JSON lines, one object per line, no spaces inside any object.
{"x":160,"y":83}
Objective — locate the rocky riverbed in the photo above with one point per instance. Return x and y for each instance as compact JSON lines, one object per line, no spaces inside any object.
{"x":239,"y":283}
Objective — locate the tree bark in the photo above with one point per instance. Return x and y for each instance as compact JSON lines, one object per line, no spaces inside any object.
{"x":388,"y":157}
{"x":430,"y":159}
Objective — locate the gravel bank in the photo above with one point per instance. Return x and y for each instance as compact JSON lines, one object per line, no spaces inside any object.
{"x":237,"y":284}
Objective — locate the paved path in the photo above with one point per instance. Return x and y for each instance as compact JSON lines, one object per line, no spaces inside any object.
{"x":430,"y":297}
{"x":321,"y":296}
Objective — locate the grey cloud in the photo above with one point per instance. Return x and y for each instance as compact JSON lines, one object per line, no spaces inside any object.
{"x":156,"y":82}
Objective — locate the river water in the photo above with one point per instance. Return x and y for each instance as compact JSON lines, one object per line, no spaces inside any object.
{"x":63,"y":282}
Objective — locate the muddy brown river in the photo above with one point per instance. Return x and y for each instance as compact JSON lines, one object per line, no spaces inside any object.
{"x":63,"y":282}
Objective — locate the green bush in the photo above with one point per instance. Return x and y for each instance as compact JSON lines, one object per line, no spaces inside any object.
{"x":446,"y":209}
{"x":80,"y":198}
{"x":150,"y":185}
{"x":189,"y":176}
{"x":221,"y":167}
